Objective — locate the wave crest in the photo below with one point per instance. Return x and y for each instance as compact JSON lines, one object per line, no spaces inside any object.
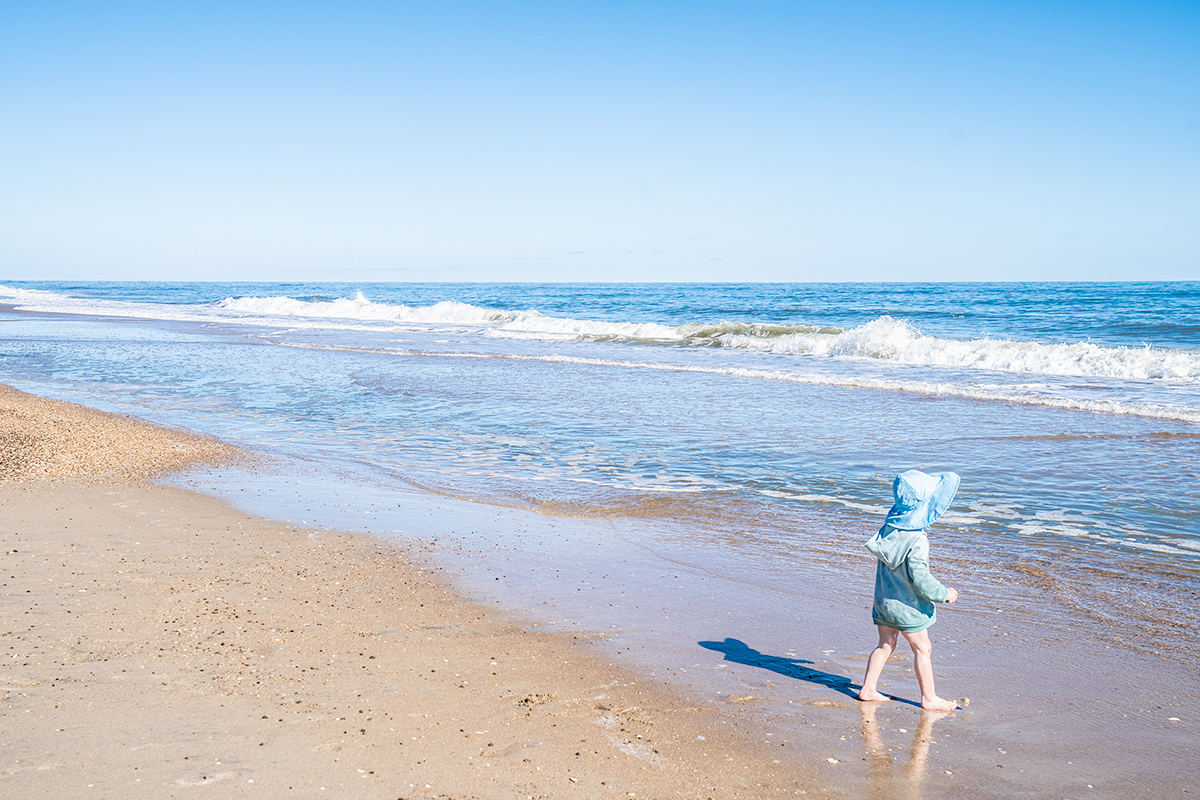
{"x":884,"y":339}
{"x":362,"y":309}
{"x":897,"y":341}
{"x":535,"y":325}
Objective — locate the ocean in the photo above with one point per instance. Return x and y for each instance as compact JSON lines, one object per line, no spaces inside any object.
{"x":745,"y":435}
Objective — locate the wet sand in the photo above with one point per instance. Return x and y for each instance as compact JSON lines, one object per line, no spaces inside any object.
{"x":156,"y":642}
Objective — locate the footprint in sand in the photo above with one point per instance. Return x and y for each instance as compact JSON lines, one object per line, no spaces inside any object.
{"x":24,"y":683}
{"x":204,"y":780}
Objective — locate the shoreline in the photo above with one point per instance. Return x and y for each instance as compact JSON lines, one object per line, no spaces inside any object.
{"x":157,"y":639}
{"x":45,"y":439}
{"x":774,"y":722}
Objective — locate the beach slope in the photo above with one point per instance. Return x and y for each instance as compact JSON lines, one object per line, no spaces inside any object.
{"x":156,"y":641}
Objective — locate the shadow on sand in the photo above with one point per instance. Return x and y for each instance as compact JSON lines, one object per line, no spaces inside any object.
{"x":739,"y":652}
{"x":889,"y":776}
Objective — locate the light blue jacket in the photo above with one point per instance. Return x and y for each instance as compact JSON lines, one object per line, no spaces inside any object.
{"x":904,"y":590}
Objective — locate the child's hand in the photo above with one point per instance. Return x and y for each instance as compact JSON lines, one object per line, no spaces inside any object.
{"x":951,"y":595}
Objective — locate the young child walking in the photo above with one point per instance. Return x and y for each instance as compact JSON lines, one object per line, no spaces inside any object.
{"x":905,"y":592}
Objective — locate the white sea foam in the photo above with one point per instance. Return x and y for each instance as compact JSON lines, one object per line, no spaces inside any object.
{"x":896,"y":341}
{"x":920,"y":387}
{"x":534,"y":325}
{"x":823,"y":499}
{"x":883,"y":340}
{"x":360,"y":308}
{"x":55,"y":303}
{"x":1037,"y":527}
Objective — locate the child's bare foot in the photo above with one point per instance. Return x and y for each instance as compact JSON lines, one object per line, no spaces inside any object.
{"x":872,"y":697}
{"x":938,"y":704}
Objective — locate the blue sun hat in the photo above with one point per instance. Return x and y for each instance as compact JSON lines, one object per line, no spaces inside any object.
{"x":921,"y":498}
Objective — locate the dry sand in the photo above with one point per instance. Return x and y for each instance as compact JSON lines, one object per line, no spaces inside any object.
{"x":49,"y":439}
{"x":155,"y":642}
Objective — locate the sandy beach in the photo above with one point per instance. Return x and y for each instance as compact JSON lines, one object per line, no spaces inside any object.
{"x":157,"y":641}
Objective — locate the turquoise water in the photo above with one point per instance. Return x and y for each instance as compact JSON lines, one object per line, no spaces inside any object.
{"x":730,"y":416}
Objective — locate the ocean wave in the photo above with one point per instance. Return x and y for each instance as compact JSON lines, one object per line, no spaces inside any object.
{"x":496,"y":323}
{"x":361,"y":309}
{"x":40,"y":300}
{"x":896,"y":341}
{"x":535,"y":325}
{"x":882,"y":340}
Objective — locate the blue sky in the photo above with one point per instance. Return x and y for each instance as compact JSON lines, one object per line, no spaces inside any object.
{"x":600,"y":141}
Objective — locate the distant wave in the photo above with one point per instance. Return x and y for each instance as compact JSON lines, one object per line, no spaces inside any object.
{"x":885,"y":339}
{"x":56,"y":303}
{"x":502,"y":323}
{"x":362,"y":309}
{"x":535,"y":325}
{"x":894,"y":340}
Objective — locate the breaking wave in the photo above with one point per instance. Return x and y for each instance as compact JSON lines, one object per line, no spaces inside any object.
{"x":882,"y":340}
{"x":889,"y":339}
{"x":361,"y":309}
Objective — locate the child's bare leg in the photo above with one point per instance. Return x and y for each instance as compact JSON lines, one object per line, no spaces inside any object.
{"x":923,"y":664}
{"x":879,"y":657}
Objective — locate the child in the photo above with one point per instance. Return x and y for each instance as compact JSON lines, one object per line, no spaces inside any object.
{"x":904,"y":590}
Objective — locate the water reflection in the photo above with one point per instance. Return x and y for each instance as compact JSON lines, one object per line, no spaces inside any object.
{"x":888,"y":780}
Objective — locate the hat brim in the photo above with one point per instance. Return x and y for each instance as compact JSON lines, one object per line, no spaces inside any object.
{"x":927,"y":512}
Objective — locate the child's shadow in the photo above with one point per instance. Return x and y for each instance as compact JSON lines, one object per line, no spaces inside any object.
{"x":739,"y":652}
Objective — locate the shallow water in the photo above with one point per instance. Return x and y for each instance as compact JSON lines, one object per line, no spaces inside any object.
{"x":737,"y":408}
{"x":1060,"y":708}
{"x":744,"y":436}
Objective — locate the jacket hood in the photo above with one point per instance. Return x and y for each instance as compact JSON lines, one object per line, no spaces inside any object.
{"x":921,"y":498}
{"x":891,"y":545}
